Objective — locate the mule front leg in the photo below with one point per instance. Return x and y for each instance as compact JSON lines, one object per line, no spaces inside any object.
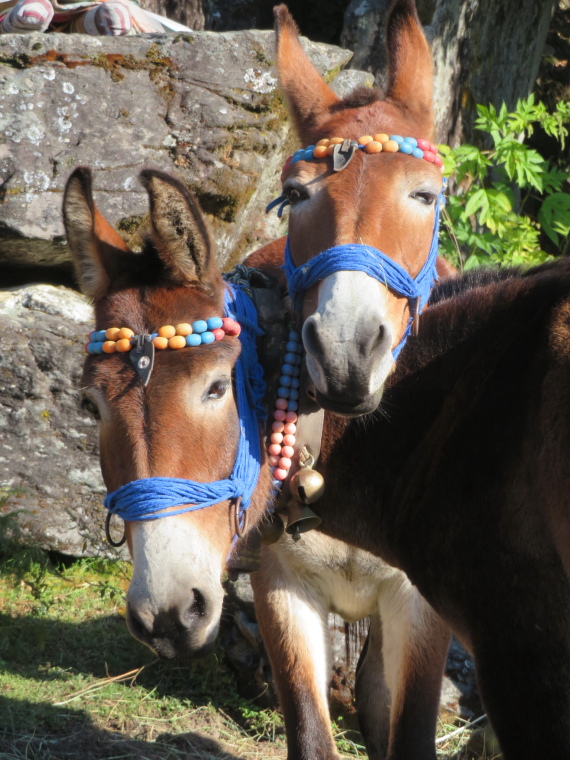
{"x":372,"y":694}
{"x":415,"y":641}
{"x":293,"y":623}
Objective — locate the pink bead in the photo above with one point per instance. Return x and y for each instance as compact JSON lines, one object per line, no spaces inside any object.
{"x":291,"y":417}
{"x":279,"y":474}
{"x":279,"y":415}
{"x":288,"y":440}
{"x":230,"y":326}
{"x":424,"y":144}
{"x":429,"y":156}
{"x":285,"y":462}
{"x":277,"y":427}
{"x":273,"y":460}
{"x":218,"y":333}
{"x":289,"y":428}
{"x":287,"y":451}
{"x":276,"y":437}
{"x":438,"y":161}
{"x":281,"y":403}
{"x":274,"y":448}
{"x":433,"y":149}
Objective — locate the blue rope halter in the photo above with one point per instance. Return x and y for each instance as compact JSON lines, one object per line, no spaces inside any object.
{"x":147,"y":498}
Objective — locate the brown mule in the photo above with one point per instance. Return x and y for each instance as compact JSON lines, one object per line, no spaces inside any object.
{"x":352,"y":324}
{"x":182,"y":425}
{"x":464,"y":485}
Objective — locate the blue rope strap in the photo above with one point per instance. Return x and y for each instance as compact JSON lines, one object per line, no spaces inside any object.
{"x":147,"y":498}
{"x":373,"y":262}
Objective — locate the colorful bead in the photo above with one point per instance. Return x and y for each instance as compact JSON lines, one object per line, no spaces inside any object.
{"x":411,"y":141}
{"x":283,"y":392}
{"x":406,"y":148}
{"x":293,"y":394}
{"x":123,"y":345}
{"x":374,"y":147}
{"x":276,"y":438}
{"x":285,"y":463}
{"x":336,"y":140}
{"x":295,"y":382}
{"x":438,"y":161}
{"x":289,"y":440}
{"x":208,"y":337}
{"x":214,"y":323}
{"x":273,"y":460}
{"x":112,"y":333}
{"x":424,"y":144}
{"x":184,"y":329}
{"x":109,"y":347}
{"x":279,"y":415}
{"x":230,"y":326}
{"x":429,"y":156}
{"x":195,"y":339}
{"x":278,"y":427}
{"x":433,"y":149}
{"x":292,"y":406}
{"x":330,"y":149}
{"x":293,"y":346}
{"x":125,"y":333}
{"x":308,"y":152}
{"x":281,"y":403}
{"x":397,"y":138}
{"x":287,"y":451}
{"x":289,"y":428}
{"x":177,"y":341}
{"x":417,"y":153}
{"x":381,"y":137}
{"x":291,"y":417}
{"x":200,"y":326}
{"x":160,"y":342}
{"x":166,"y":331}
{"x":274,"y":448}
{"x":320,"y":151}
{"x":279,"y":473}
{"x":365,"y":139}
{"x":391,"y":146}
{"x":323,"y":143}
{"x":218,"y":333}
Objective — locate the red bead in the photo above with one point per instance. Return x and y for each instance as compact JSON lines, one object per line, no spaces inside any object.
{"x":424,"y":144}
{"x":279,"y":415}
{"x":279,"y":473}
{"x":287,"y":451}
{"x":85,"y":346}
{"x":433,"y":148}
{"x":438,"y":161}
{"x":218,"y":333}
{"x":281,"y":403}
{"x":429,"y":156}
{"x":230,"y":326}
{"x":290,"y":417}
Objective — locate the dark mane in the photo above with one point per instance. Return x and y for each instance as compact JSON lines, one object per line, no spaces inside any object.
{"x":476,"y":278}
{"x":359,"y":97}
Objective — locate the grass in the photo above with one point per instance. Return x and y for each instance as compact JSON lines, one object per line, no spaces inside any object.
{"x":74,"y":684}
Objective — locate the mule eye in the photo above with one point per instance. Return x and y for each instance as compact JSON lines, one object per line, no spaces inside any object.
{"x":217,"y":389}
{"x":294,"y":194}
{"x":88,"y":406}
{"x":424,"y":196}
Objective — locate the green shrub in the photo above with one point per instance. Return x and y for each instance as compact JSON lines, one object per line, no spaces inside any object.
{"x":508,"y":195}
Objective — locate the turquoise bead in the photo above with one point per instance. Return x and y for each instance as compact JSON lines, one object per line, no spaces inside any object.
{"x":308,"y":153}
{"x":200,"y":326}
{"x":208,"y":337}
{"x":214,"y":323}
{"x":194,"y":339}
{"x":411,"y":141}
{"x":418,"y":153}
{"x":98,"y":336}
{"x":295,"y":159}
{"x":282,"y":392}
{"x":91,"y":348}
{"x":406,"y":148}
{"x":98,"y":348}
{"x":397,"y":138}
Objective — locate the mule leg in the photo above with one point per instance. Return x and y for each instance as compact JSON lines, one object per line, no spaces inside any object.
{"x":414,"y":648}
{"x":293,"y":622}
{"x":372,"y":694}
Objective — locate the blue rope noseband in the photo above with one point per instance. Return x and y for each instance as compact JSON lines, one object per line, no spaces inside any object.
{"x":148,"y":498}
{"x":373,"y":262}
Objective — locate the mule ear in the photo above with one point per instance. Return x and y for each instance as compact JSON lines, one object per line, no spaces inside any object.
{"x":308,"y":97}
{"x":179,"y":231}
{"x":410,"y":81}
{"x":95,"y":246}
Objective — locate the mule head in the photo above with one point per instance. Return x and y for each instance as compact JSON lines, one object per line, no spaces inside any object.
{"x":352,"y":322}
{"x":183,"y":424}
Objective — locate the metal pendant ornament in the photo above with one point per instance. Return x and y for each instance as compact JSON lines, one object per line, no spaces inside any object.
{"x":306,"y":487}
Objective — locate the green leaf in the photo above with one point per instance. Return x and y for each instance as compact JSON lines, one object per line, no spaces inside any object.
{"x":554,"y":216}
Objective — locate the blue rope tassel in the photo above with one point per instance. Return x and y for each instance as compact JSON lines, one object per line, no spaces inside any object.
{"x":147,"y":498}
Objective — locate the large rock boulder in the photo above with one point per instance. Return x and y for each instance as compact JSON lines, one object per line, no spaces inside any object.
{"x":203,"y":105}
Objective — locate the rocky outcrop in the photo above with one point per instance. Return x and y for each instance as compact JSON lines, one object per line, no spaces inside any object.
{"x":202,"y":105}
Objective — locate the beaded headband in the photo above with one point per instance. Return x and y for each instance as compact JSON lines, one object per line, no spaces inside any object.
{"x":121,"y":339}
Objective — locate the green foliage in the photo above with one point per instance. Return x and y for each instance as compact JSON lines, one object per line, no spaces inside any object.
{"x":507,"y":196}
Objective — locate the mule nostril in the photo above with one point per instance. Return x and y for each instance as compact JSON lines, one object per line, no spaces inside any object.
{"x":139,"y":626}
{"x":196,"y":609}
{"x":311,"y":338}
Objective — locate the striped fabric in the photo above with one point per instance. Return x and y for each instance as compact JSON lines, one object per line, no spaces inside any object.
{"x":94,"y":17}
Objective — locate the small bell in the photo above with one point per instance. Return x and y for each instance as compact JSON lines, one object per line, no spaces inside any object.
{"x":271,"y":529}
{"x":307,"y":486}
{"x":301,"y":518}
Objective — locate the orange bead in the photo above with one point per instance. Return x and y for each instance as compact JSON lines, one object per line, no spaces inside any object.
{"x":178,"y":341}
{"x":365,"y":139}
{"x":374,"y":147}
{"x":184,"y":329}
{"x":381,"y":137}
{"x":391,"y":146}
{"x":324,"y":141}
{"x":124,"y":332}
{"x":330,"y":149}
{"x":336,"y":140}
{"x":112,"y":333}
{"x":167,"y":331}
{"x":123,"y":345}
{"x":109,"y":346}
{"x":160,"y":342}
{"x":320,"y":151}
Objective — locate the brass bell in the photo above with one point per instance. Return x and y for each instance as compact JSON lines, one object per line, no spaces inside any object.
{"x":271,"y":529}
{"x":301,"y":518}
{"x":307,"y":485}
